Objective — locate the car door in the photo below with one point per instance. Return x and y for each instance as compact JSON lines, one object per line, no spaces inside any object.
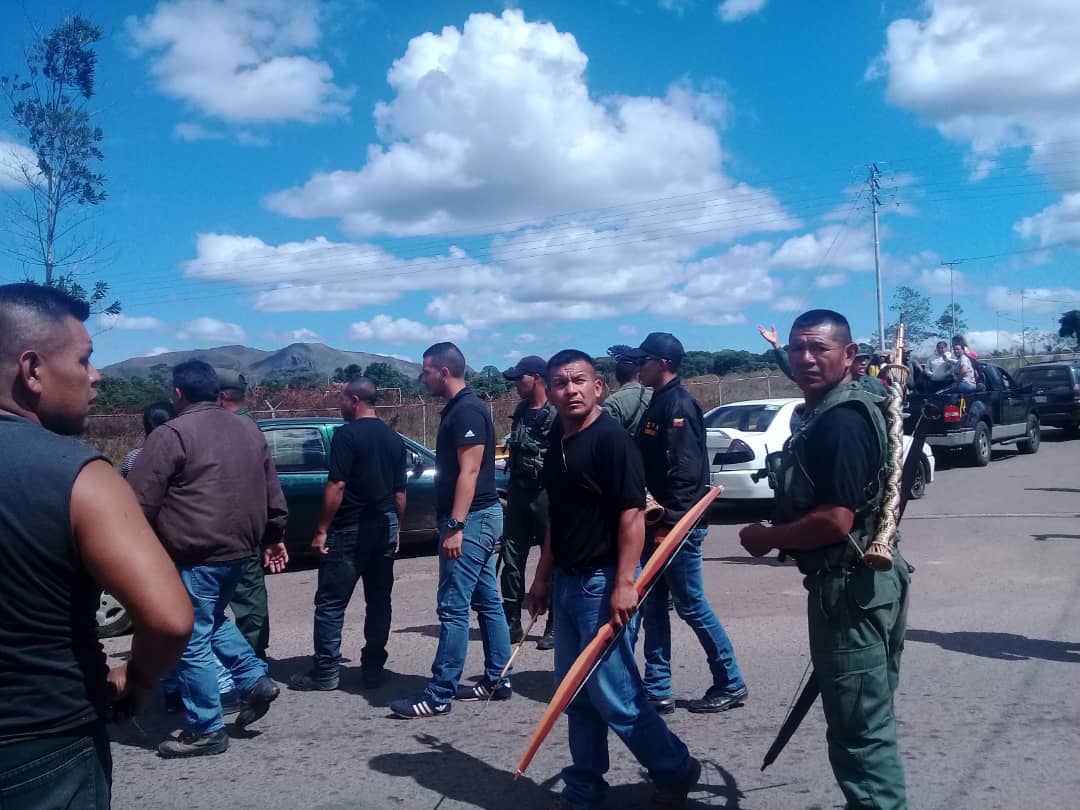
{"x":419,"y":491}
{"x":301,"y":454}
{"x":1014,"y":407}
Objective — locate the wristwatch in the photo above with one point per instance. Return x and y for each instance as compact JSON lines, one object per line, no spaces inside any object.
{"x":453,"y":524}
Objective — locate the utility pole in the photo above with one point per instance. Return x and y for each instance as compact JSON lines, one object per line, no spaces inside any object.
{"x":872,"y":181}
{"x":952,"y":299}
{"x":1023,"y":329}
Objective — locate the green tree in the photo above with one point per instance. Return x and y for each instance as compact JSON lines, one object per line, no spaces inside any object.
{"x":618,"y":350}
{"x":49,"y":106}
{"x":385,"y":375}
{"x":347,"y":373}
{"x":489,"y":381}
{"x":1070,"y":326}
{"x":914,"y":308}
{"x":945,"y":323}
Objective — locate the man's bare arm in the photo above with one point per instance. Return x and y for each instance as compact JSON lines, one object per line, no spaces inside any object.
{"x":470,"y":457}
{"x":331,"y":502}
{"x":124,"y":556}
{"x":539,"y":600}
{"x":624,"y":599}
{"x":821,"y":527}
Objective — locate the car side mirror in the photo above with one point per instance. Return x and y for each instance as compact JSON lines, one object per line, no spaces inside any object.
{"x":416,"y":463}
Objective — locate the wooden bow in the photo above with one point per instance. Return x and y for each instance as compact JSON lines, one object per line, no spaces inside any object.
{"x":590,"y":657}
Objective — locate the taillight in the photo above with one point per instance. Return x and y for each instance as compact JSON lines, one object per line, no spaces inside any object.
{"x":1076,"y":392}
{"x":952,"y":414}
{"x":738,"y":452}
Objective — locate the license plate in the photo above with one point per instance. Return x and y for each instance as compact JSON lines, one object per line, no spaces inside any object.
{"x":1040,"y":399}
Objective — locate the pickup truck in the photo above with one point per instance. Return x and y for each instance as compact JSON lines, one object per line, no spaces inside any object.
{"x":999,"y":412}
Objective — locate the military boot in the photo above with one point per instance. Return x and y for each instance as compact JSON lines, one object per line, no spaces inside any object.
{"x":513,"y":622}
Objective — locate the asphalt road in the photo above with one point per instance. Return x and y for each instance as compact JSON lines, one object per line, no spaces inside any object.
{"x":989,"y":704}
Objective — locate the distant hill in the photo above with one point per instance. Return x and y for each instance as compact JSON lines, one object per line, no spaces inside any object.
{"x":258,"y":365}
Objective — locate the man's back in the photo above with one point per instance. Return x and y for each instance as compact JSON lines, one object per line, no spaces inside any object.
{"x":369,"y":456}
{"x":206,"y":482}
{"x":628,"y":405}
{"x":53,"y":668}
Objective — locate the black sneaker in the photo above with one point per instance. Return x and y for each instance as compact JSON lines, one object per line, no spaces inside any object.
{"x":194,"y":745}
{"x":257,"y":701}
{"x":547,"y":641}
{"x":513,"y":624}
{"x":310,"y":683}
{"x":482,"y":690}
{"x":372,"y":678}
{"x":718,"y":699}
{"x":413,"y":708}
{"x":663,"y":705}
{"x":231,"y":702}
{"x":673,"y":797}
{"x":174,"y":704}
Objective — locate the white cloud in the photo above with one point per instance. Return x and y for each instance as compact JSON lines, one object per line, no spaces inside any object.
{"x":936,"y":281}
{"x":995,"y":75}
{"x":483,"y":309}
{"x":526,"y":337}
{"x":628,"y":330}
{"x":154,"y":352}
{"x":1037,"y":301}
{"x":385,"y":329}
{"x":735,"y":10}
{"x":678,"y":6}
{"x":829,"y":280}
{"x":832,"y":246}
{"x":241,"y":60}
{"x":15,"y":161}
{"x":986,"y":341}
{"x":128,"y":323}
{"x":513,"y":355}
{"x":301,"y":335}
{"x":211,"y":330}
{"x":1056,"y":223}
{"x":788,"y":303}
{"x":318,"y":275}
{"x":502,"y":105}
{"x":192,"y":131}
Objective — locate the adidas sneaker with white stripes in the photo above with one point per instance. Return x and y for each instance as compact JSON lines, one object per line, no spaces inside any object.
{"x":411,"y":709}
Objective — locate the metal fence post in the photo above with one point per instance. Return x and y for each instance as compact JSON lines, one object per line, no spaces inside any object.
{"x":768,"y":385}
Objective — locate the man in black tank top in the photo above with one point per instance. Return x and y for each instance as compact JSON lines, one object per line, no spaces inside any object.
{"x":58,"y":496}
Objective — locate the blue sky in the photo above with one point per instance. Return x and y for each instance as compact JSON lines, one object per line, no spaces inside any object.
{"x":522,"y":178}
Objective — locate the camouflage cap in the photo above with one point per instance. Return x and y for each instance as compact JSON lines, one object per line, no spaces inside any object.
{"x":231,"y":378}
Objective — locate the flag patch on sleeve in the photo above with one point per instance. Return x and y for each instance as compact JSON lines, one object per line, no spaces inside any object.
{"x":678,"y":421}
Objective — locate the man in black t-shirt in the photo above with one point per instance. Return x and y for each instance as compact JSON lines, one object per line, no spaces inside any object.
{"x":596,"y":489}
{"x":470,"y":522}
{"x":363,"y":505}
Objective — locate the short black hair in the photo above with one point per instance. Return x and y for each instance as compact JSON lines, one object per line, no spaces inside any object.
{"x":157,"y":414}
{"x":196,"y":380}
{"x":447,"y":355}
{"x":958,"y":340}
{"x":820,"y":317}
{"x":568,"y":356}
{"x":29,"y":311}
{"x":363,"y":388}
{"x":626,"y":370}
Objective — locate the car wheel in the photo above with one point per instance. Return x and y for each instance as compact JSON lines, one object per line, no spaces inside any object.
{"x":1032,"y":437}
{"x":979,"y":452}
{"x":112,"y":617}
{"x":918,"y":486}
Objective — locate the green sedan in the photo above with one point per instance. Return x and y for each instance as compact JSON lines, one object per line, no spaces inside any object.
{"x":300,"y":448}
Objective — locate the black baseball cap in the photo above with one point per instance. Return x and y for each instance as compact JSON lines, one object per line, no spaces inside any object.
{"x":657,"y":344}
{"x":530,"y":364}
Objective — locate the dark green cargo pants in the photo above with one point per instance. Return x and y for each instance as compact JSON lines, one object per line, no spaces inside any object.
{"x":249,"y":606}
{"x":857,"y":619}
{"x":524,"y":527}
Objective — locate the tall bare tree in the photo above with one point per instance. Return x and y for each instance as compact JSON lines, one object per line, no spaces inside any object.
{"x":49,"y":104}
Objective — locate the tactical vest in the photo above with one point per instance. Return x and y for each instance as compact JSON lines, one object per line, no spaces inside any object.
{"x":528,"y":444}
{"x":795,"y":491}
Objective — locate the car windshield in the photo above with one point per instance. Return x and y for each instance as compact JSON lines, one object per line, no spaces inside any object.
{"x":747,"y":418}
{"x":1054,"y":375}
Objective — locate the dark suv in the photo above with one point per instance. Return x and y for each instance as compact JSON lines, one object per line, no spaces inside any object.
{"x":1056,"y":388}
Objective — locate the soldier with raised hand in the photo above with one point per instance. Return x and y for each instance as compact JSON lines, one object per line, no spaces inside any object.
{"x":672,"y":444}
{"x":828,"y":504}
{"x":526,"y":500}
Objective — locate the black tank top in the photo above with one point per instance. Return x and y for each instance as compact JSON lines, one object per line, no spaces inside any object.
{"x":52,"y":667}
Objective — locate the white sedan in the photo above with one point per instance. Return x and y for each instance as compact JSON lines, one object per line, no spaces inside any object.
{"x":740,"y":435}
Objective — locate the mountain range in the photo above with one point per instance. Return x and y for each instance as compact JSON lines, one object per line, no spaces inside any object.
{"x":257,"y":364}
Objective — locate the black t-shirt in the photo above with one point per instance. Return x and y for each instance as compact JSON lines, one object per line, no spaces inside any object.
{"x":591,"y":478}
{"x":369,"y":457}
{"x":842,"y":455}
{"x":465,"y":421}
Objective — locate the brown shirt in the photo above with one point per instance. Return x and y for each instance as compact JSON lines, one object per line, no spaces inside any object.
{"x":207,"y":484}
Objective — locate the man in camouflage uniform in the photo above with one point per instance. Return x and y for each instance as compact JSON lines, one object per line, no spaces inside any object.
{"x":249,"y":604}
{"x":629,"y":403}
{"x":829,"y":484}
{"x":526,"y":501}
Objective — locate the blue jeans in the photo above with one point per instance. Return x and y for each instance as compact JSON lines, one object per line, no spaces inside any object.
{"x":961,"y":387}
{"x":612,"y":698}
{"x":71,"y":771}
{"x":363,"y":550}
{"x":210,"y":587}
{"x":685,"y":582}
{"x":170,"y":684}
{"x":469,"y":580}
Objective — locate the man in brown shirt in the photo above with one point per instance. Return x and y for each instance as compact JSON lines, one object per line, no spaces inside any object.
{"x":207,"y":484}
